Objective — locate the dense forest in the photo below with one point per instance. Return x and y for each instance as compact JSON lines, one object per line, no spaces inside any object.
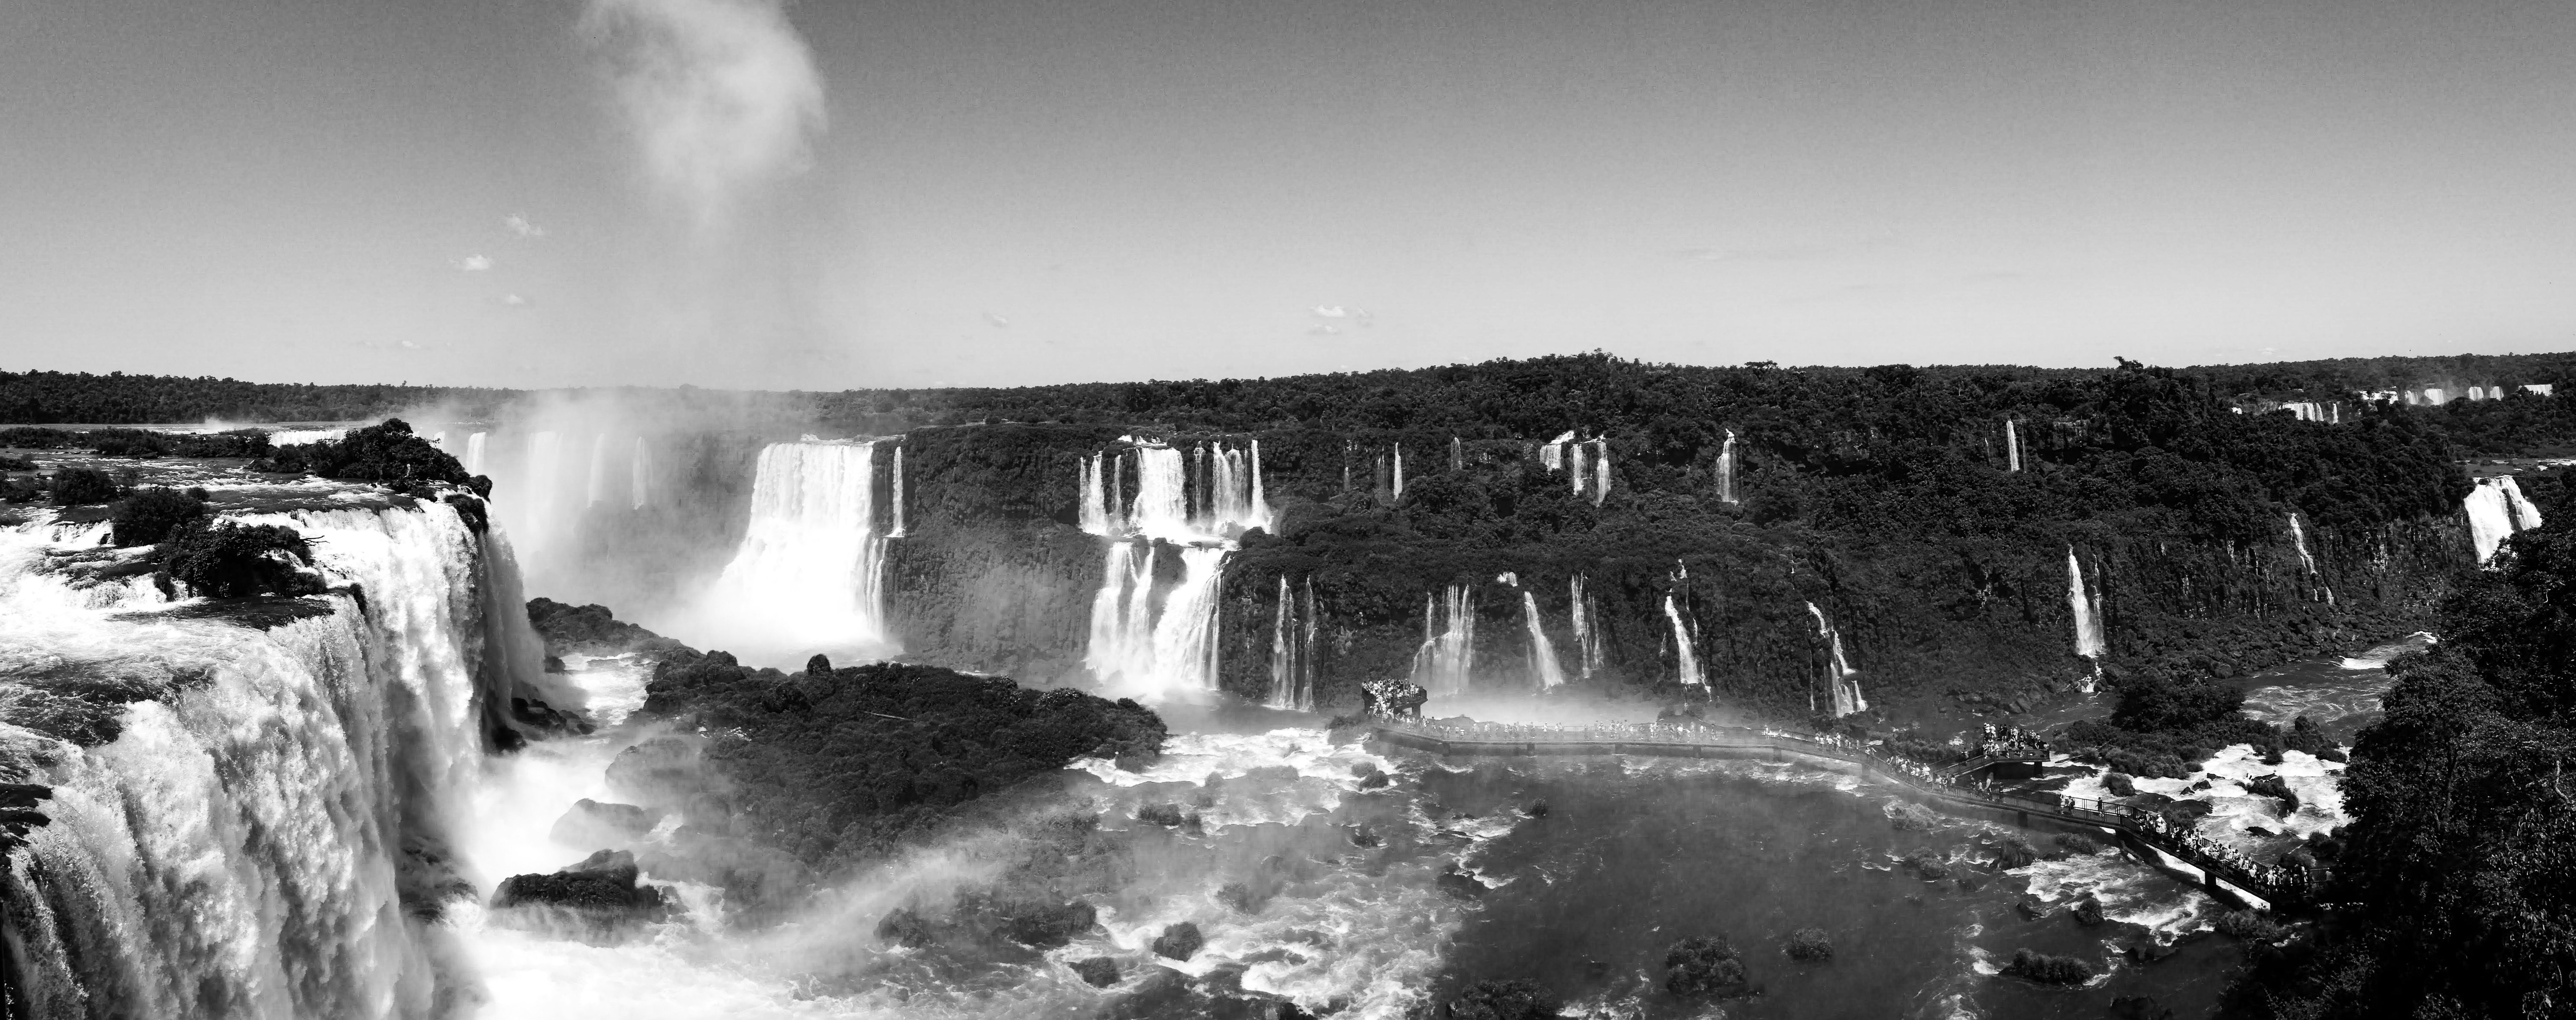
{"x":2460,"y":869}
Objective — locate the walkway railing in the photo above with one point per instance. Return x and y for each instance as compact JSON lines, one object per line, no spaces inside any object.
{"x":2279,"y":884}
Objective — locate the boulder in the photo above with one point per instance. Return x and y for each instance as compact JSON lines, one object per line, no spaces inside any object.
{"x":1810,"y":944}
{"x":2048,"y":970}
{"x":1178,"y":942}
{"x":1098,"y":971}
{"x":598,"y":899}
{"x":1703,"y":966}
{"x":2088,"y":911}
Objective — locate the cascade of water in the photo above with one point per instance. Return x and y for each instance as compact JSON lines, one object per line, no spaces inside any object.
{"x":1543,"y":664}
{"x":1292,"y":648}
{"x":1553,"y":454}
{"x":474,"y":453}
{"x":810,"y":573}
{"x":1161,"y":509}
{"x":1399,"y":470}
{"x":1726,"y":469}
{"x":595,"y":485}
{"x":1442,"y":664}
{"x":2496,"y":509}
{"x":1600,"y":470}
{"x":899,"y":530}
{"x":243,"y":846}
{"x":640,"y":474}
{"x":1587,"y":629}
{"x":2299,"y":539}
{"x":1259,"y":512}
{"x":1846,"y":690}
{"x":2079,"y":602}
{"x":1685,"y":646}
{"x":1574,"y":466}
{"x":1457,"y":455}
{"x":2012,"y":447}
{"x":541,"y":479}
{"x":1093,"y":510}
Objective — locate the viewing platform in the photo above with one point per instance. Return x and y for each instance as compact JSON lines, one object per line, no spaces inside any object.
{"x":2154,"y":839}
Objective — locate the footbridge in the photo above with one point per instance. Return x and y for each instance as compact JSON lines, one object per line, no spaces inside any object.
{"x":2153,"y":838}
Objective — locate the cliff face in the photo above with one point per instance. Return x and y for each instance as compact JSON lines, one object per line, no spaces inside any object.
{"x":995,"y":573}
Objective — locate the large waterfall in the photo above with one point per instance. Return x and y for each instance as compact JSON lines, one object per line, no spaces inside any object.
{"x":1446,"y":658}
{"x":1685,"y":647}
{"x":2497,"y":509}
{"x":1566,"y":453}
{"x":810,"y":573}
{"x":1846,"y":689}
{"x":1156,"y":648}
{"x":474,"y":444}
{"x":1587,"y":629}
{"x":640,"y":474}
{"x":263,"y":832}
{"x":1143,"y":648}
{"x":2079,"y":602}
{"x":2012,"y":447}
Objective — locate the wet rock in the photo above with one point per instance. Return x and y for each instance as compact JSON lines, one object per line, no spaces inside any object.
{"x":2088,"y":911}
{"x":597,"y":900}
{"x":1255,"y":1007}
{"x":2078,"y":844}
{"x":1364,"y":837}
{"x":1910,"y":816}
{"x":2118,"y":784}
{"x":2147,"y":952}
{"x":1926,"y":864}
{"x":1098,"y":971}
{"x":1238,"y":896}
{"x":1460,"y":884}
{"x":2030,"y":909}
{"x":1375,"y":781}
{"x":1536,"y":809}
{"x":2014,"y":852}
{"x":1178,"y":942}
{"x":1166,"y":815}
{"x":592,"y":823}
{"x":2274,"y":786}
{"x":905,"y":927}
{"x":1970,"y":882}
{"x":1162,"y":992}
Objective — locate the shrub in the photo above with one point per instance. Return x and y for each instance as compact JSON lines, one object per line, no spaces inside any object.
{"x":8,"y":463}
{"x":78,"y":486}
{"x":1166,"y":815}
{"x":1517,"y":999}
{"x":2250,"y":926}
{"x":2118,"y":784}
{"x":387,"y":453}
{"x":1810,"y":944}
{"x":1702,"y":965}
{"x":149,"y":515}
{"x":2014,"y":852}
{"x":226,"y":560}
{"x":2049,"y":970}
{"x":1911,"y":817}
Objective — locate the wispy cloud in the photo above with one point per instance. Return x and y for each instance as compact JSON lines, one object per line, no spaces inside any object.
{"x":519,"y":225}
{"x":513,"y":301}
{"x":474,"y":263}
{"x":720,"y":94}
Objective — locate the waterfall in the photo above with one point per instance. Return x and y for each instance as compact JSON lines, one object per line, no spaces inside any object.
{"x":1587,"y":630}
{"x":1228,"y":487}
{"x":1553,"y":454}
{"x":1259,"y":511}
{"x":2088,"y":624}
{"x":1448,"y":652}
{"x":1093,"y":511}
{"x":810,"y":573}
{"x":1684,"y":646}
{"x":2299,"y":538}
{"x":1162,"y":506}
{"x":2497,"y":509}
{"x":2012,"y":446}
{"x":1457,"y":454}
{"x":596,"y":488}
{"x":1726,"y":469}
{"x":898,"y":530}
{"x":265,"y":841}
{"x":474,"y":453}
{"x":1543,"y":664}
{"x":1846,"y":690}
{"x":1140,"y":652}
{"x":1574,"y":466}
{"x":1292,"y":648}
{"x":640,"y":474}
{"x":1399,"y":470}
{"x":1600,"y":470}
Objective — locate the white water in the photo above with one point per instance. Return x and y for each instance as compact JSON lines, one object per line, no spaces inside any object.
{"x":1684,"y":647}
{"x":300,"y":437}
{"x":1095,"y":512}
{"x":1399,"y":470}
{"x":1447,"y":655}
{"x":896,"y":510}
{"x":1600,"y":470}
{"x":2497,"y":509}
{"x":474,"y":453}
{"x":2079,"y":602}
{"x":596,"y":487}
{"x":1543,"y":664}
{"x":2012,"y":446}
{"x":809,"y":575}
{"x":1726,"y":469}
{"x":239,"y":849}
{"x":1846,"y":689}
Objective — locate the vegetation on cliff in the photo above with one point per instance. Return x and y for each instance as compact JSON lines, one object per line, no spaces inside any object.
{"x":227,"y":560}
{"x":837,"y":766}
{"x":2461,"y":862}
{"x":386,"y":452}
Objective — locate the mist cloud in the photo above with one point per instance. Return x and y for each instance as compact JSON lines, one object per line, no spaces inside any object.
{"x":720,"y":94}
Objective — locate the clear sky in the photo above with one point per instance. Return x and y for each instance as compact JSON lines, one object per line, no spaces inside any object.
{"x":917,"y":192}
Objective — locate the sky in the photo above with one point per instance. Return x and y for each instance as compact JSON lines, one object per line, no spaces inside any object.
{"x":828,"y":194}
